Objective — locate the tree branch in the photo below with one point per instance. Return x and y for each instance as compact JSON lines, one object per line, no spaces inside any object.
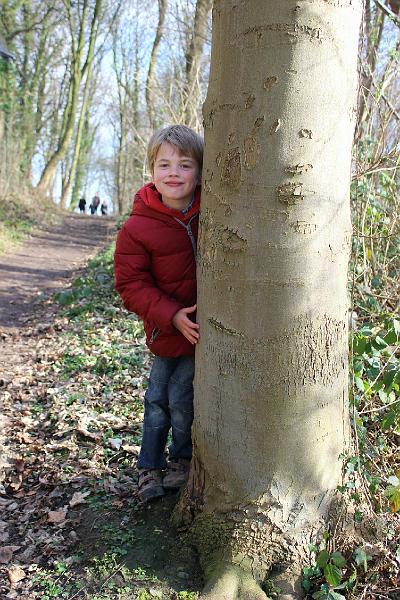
{"x":10,"y":36}
{"x":389,"y":12}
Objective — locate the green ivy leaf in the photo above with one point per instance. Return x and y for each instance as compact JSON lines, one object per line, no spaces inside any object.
{"x":390,"y":376}
{"x":358,"y":367}
{"x":394,"y":480}
{"x":321,"y":595}
{"x":338,"y":559}
{"x":322,"y":558}
{"x":66,"y":297}
{"x":393,"y":494}
{"x":352,"y":580}
{"x":379,"y":342}
{"x":396,"y":326}
{"x":365,"y":330}
{"x":359,"y":344}
{"x":335,"y":596}
{"x":388,"y":420}
{"x":361,"y":557}
{"x":390,"y":337}
{"x":332,"y":575}
{"x":328,"y":595}
{"x":382,"y":396}
{"x":359,"y":383}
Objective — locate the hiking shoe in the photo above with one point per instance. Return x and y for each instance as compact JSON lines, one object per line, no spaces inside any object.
{"x":178,"y":473}
{"x":150,"y":484}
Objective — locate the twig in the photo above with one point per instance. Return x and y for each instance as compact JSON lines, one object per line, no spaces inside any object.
{"x":370,"y":171}
{"x":387,"y":10}
{"x":379,"y":374}
{"x":372,"y":410}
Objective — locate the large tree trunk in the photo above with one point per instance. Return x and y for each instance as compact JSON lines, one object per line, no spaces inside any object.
{"x":271,"y":414}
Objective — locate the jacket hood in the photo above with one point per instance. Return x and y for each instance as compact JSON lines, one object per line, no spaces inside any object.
{"x":149,"y":198}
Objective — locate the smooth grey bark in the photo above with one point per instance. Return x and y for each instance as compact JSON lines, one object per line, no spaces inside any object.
{"x":271,"y":410}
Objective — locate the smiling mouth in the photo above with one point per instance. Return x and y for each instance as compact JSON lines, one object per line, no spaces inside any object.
{"x":173,"y":183}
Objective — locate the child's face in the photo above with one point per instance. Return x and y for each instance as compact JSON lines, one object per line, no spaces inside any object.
{"x":175,"y":176}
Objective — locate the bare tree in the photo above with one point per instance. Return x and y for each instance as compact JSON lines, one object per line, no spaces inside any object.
{"x":80,"y":66}
{"x":193,"y":60}
{"x":162,"y":8}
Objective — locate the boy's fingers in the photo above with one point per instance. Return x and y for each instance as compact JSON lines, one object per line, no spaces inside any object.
{"x":190,"y":309}
{"x":192,"y":336}
{"x":192,"y":325}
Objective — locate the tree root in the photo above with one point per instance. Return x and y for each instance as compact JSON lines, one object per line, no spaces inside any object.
{"x":230,"y":582}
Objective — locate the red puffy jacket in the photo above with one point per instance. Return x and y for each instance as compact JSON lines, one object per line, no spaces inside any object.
{"x":155,"y":268}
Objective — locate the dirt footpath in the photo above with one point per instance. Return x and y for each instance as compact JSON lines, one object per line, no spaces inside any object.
{"x":44,"y":263}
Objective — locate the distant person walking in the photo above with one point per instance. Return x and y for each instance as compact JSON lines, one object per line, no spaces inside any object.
{"x":95,"y":204}
{"x":82,"y":205}
{"x":103,"y":208}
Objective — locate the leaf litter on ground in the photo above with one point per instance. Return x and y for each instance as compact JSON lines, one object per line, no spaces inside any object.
{"x":73,"y":419}
{"x":70,"y":518}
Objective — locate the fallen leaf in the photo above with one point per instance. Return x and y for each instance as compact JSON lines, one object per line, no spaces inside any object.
{"x":19,"y":464}
{"x":6,"y":553}
{"x":82,"y":429}
{"x":78,"y":498}
{"x":56,"y":516}
{"x":16,"y":574}
{"x":115,"y":443}
{"x":4,"y":535}
{"x":131,"y":449}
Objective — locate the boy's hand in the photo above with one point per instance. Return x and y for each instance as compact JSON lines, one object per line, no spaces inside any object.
{"x":187,"y":328}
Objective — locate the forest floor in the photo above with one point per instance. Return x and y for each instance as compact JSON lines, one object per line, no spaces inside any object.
{"x":73,"y":372}
{"x":71,"y":525}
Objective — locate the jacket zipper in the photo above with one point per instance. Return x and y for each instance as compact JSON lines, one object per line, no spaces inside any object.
{"x":155,"y":332}
{"x":189,"y":232}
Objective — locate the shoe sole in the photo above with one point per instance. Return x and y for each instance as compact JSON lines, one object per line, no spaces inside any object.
{"x":148,"y":495}
{"x":174,"y":486}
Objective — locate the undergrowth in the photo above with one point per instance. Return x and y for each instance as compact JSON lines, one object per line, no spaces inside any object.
{"x":372,"y":482}
{"x":20,"y":213}
{"x":371,"y":486}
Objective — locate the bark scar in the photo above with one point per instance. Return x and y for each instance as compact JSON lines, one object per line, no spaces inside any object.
{"x":221,"y":327}
{"x":290,"y":193}
{"x":298,"y":169}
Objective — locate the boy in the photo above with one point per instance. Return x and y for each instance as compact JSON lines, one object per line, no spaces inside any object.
{"x":155,"y":273}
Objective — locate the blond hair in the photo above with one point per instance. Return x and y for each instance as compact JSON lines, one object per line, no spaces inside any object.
{"x":188,"y":142}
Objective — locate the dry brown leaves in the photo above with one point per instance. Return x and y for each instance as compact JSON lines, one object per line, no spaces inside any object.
{"x":64,"y":443}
